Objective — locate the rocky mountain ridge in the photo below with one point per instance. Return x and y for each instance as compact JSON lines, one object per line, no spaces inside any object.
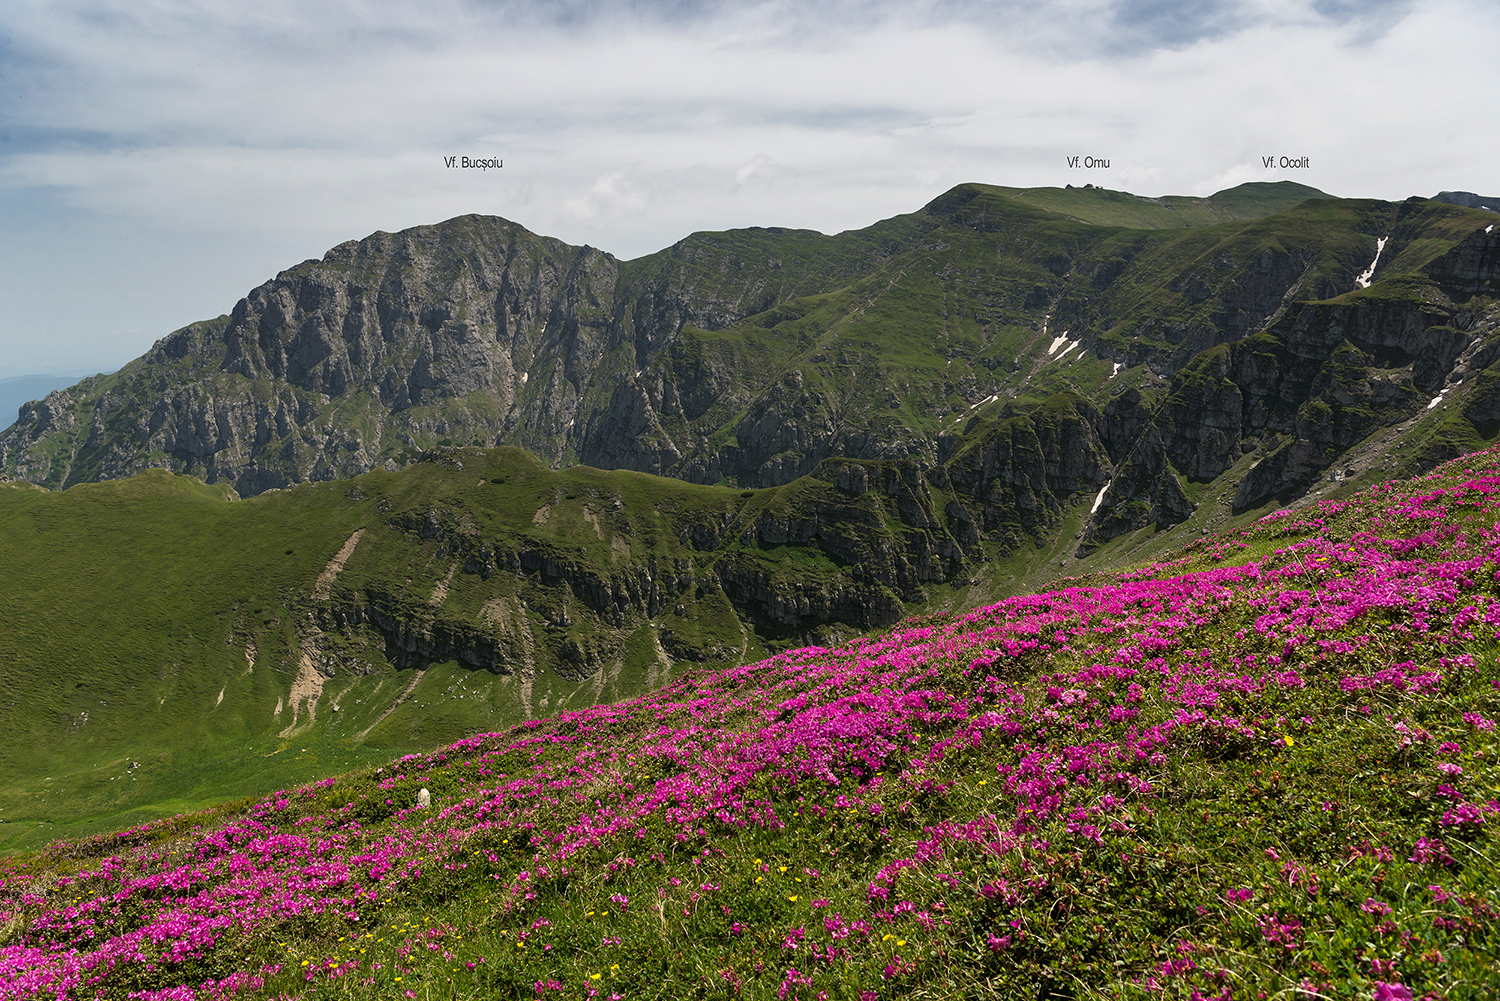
{"x":1468,"y":199}
{"x":1259,"y":349}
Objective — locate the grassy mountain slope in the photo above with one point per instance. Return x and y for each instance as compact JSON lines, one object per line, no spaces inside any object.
{"x":169,"y":647}
{"x":1263,"y":766}
{"x":168,"y":644}
{"x":943,"y":425}
{"x":1103,"y":207}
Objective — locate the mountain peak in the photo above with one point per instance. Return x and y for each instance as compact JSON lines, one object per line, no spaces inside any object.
{"x":1100,"y":206}
{"x":1469,"y":200}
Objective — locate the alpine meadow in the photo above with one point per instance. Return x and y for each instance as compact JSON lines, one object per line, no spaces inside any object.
{"x":1052,"y":593}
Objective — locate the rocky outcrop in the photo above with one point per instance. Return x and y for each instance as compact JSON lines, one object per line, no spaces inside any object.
{"x":474,"y":331}
{"x":856,"y":568}
{"x":1471,"y":268}
{"x":854,"y":545}
{"x":1322,"y":379}
{"x":1017,"y":474}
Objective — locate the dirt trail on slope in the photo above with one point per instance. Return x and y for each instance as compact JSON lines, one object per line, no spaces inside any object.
{"x":394,"y":705}
{"x":324,"y":586}
{"x":440,"y":590}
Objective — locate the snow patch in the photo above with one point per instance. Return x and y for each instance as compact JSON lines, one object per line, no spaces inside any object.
{"x":1062,"y":354}
{"x":987,"y":399}
{"x":1435,"y":401}
{"x":1118,"y":366}
{"x":1364,"y":279}
{"x":1100,"y":499}
{"x":1058,"y":342}
{"x":1490,"y":227}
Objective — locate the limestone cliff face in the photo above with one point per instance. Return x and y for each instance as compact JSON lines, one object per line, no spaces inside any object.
{"x":474,"y":331}
{"x":1015,"y":476}
{"x":474,"y":328}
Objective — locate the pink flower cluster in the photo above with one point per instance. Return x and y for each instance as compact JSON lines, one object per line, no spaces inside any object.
{"x":1057,"y":681}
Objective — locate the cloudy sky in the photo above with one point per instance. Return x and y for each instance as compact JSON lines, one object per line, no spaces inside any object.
{"x":160,"y":158}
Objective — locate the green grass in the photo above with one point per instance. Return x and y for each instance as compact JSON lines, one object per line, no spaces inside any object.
{"x":1099,"y":206}
{"x":1261,"y":829}
{"x":162,"y":621}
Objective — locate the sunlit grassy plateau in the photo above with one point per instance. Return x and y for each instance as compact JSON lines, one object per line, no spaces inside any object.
{"x":1263,"y":767}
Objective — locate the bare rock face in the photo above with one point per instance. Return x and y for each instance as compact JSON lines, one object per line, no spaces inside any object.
{"x":1143,"y":491}
{"x":1021,"y":470}
{"x":1329,"y":374}
{"x":474,"y":331}
{"x":423,"y":316}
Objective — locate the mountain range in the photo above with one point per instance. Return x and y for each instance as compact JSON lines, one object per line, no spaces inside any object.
{"x":1186,"y":334}
{"x":463,"y":474}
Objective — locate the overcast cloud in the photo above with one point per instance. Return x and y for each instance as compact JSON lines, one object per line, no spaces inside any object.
{"x":159,"y":159}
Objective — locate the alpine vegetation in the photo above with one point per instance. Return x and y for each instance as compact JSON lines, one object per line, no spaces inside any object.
{"x":1265,"y":767}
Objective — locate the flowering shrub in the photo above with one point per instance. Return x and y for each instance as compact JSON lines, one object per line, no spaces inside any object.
{"x":1204,"y":779}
